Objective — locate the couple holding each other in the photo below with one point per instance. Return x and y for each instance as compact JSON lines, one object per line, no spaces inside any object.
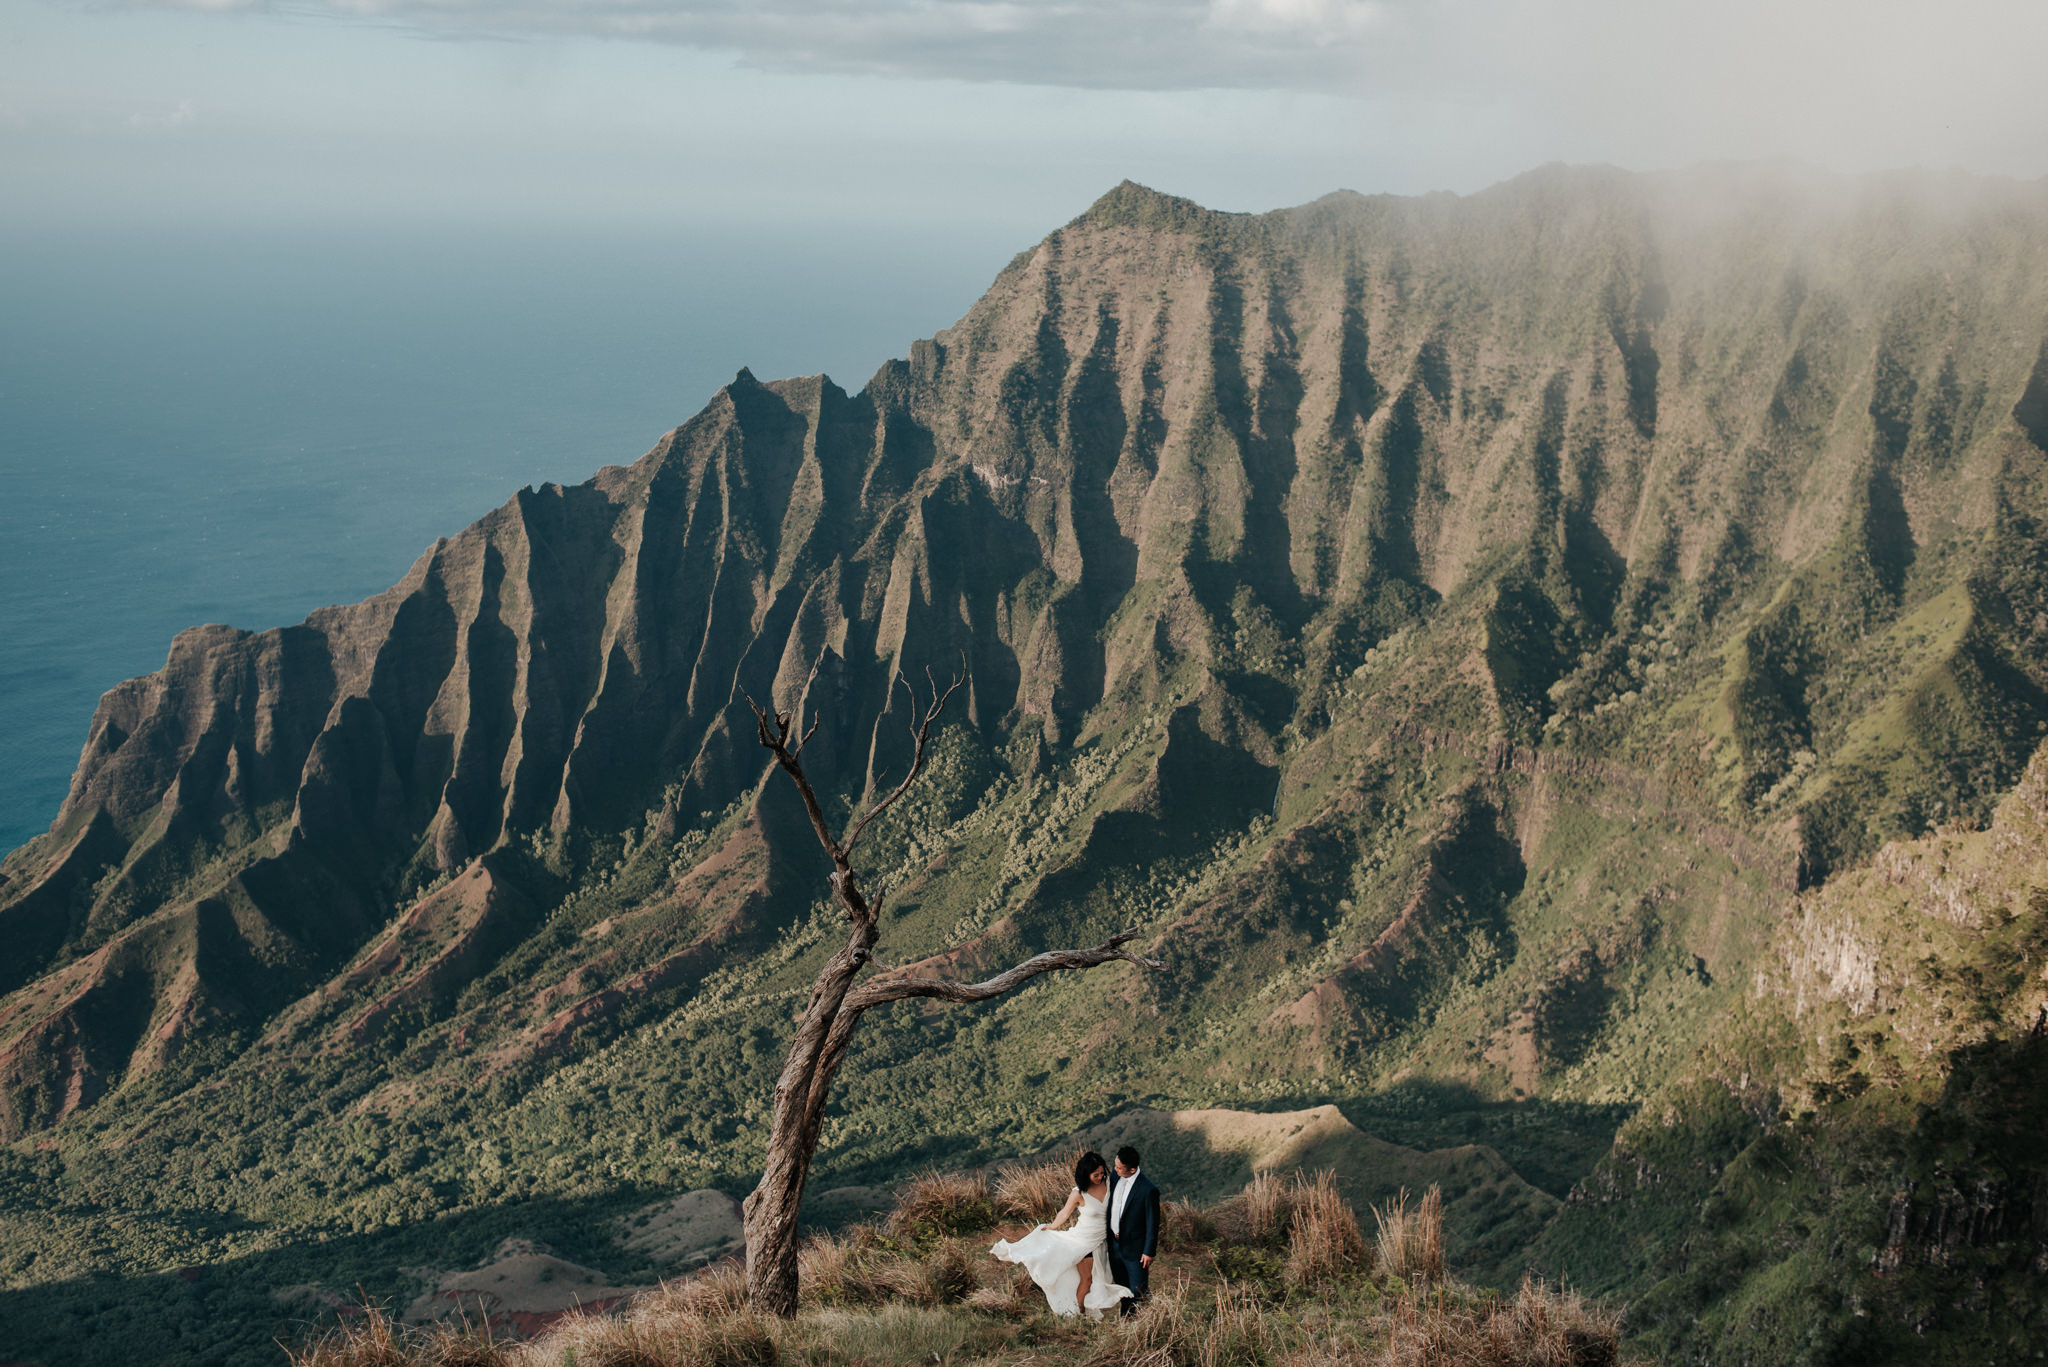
{"x":1106,"y":1258}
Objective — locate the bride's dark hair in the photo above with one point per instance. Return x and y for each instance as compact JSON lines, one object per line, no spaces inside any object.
{"x":1085,"y":1168}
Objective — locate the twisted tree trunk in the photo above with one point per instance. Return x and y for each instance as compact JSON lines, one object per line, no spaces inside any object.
{"x":826,"y":1028}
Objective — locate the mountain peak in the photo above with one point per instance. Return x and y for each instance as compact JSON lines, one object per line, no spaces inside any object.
{"x":1133,"y":205}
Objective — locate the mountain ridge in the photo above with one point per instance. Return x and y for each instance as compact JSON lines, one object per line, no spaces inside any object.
{"x":1452,"y":625}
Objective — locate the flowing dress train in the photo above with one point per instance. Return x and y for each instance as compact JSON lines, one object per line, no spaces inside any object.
{"x":1053,"y":1258}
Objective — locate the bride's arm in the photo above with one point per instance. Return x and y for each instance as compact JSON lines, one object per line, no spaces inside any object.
{"x":1073,"y":1200}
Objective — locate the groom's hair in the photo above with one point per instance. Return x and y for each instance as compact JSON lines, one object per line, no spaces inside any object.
{"x":1128,"y":1156}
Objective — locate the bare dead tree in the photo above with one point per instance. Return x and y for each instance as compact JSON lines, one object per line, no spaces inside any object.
{"x":826,"y":1028}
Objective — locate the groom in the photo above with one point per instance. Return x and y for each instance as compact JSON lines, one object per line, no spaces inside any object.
{"x":1133,"y":1228}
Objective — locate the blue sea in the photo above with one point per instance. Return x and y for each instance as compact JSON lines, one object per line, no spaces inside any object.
{"x":241,"y":426}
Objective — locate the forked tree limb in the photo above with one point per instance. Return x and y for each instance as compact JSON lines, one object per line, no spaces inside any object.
{"x":878,"y":990}
{"x":774,"y":735}
{"x":921,"y":734}
{"x":774,"y":732}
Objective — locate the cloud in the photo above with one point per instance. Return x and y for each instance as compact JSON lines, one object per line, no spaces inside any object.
{"x":1115,"y":45}
{"x":1846,"y":82}
{"x":1321,"y":21}
{"x":179,"y":115}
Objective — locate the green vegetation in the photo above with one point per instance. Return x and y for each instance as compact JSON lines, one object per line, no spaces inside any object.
{"x":1849,"y":1170}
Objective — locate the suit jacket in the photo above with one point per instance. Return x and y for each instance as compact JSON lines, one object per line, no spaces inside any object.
{"x":1139,"y":1236}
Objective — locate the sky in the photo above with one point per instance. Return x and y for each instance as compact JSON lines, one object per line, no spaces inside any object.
{"x":1004,"y":116}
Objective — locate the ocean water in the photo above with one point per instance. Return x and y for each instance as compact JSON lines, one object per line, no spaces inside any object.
{"x":242,"y":426}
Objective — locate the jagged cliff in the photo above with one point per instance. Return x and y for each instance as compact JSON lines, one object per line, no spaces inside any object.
{"x":1455,"y":624}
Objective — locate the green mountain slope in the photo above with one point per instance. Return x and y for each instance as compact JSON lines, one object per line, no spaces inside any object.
{"x":1852,"y":1170}
{"x":1454,"y":629}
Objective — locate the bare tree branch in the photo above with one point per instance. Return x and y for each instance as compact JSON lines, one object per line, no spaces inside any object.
{"x":803,"y":695}
{"x":921,"y":732}
{"x":775,"y":736}
{"x":878,"y":990}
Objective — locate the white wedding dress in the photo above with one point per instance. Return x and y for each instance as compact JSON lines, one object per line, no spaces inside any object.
{"x":1053,"y":1258}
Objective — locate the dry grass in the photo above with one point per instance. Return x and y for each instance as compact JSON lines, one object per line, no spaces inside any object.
{"x":1256,"y":1215}
{"x":1181,"y":1327}
{"x":868,"y":1270}
{"x":658,"y":1333}
{"x":1410,"y":1243}
{"x":720,"y":1289}
{"x":1536,"y":1327}
{"x":944,"y":1276}
{"x":943,"y":1203}
{"x":891,"y":1336}
{"x":1184,"y":1227}
{"x":467,"y":1347}
{"x":1323,"y":1242}
{"x":1033,"y":1191}
{"x":1298,"y":1290}
{"x":859,"y":1270}
{"x":826,"y":1271}
{"x":369,"y":1337}
{"x":1002,"y":1298}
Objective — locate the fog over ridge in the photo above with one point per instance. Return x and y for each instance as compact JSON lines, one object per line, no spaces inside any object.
{"x":1847,"y":84}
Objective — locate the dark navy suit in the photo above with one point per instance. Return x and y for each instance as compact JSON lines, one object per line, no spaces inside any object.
{"x":1137,"y":1237}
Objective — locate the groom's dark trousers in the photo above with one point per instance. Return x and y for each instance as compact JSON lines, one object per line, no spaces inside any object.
{"x":1136,"y":1236}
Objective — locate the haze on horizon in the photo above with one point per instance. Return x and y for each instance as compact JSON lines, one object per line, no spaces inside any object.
{"x":993,"y":114}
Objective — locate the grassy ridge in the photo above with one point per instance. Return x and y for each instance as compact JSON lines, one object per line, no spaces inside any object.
{"x":1277,"y":1274}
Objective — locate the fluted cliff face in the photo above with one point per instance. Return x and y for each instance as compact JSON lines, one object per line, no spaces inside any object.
{"x":1581,"y":368}
{"x":1455,"y":623}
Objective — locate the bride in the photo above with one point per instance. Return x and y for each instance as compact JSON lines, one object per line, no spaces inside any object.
{"x":1064,"y":1261}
